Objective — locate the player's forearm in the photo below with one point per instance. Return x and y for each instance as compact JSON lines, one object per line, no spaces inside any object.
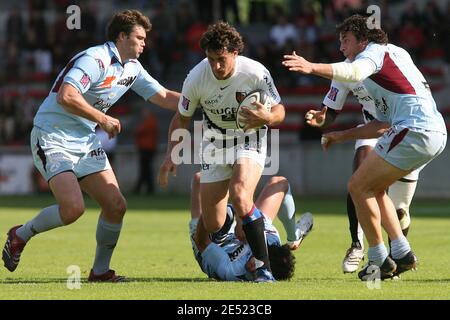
{"x":352,"y":72}
{"x":322,"y":70}
{"x":166,"y":99}
{"x":74,"y":103}
{"x":178,"y":122}
{"x":277,"y":115}
{"x":371,"y":130}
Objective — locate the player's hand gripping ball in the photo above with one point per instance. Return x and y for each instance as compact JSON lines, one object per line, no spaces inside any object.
{"x":255,"y":95}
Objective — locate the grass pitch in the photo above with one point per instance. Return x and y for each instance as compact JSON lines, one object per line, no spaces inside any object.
{"x":154,"y":253}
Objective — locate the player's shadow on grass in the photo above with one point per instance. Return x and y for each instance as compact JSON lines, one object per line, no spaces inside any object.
{"x":159,"y":279}
{"x":84,"y":280}
{"x":33,"y":281}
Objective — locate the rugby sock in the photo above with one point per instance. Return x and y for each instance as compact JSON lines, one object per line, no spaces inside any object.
{"x":377,"y":254}
{"x":107,"y":236}
{"x":253,"y":225}
{"x":355,"y":228}
{"x":49,"y":218}
{"x":287,"y":215}
{"x":401,"y":194}
{"x":399,"y":247}
{"x":221,"y":235}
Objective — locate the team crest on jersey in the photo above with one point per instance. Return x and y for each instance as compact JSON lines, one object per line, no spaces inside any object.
{"x":85,"y":80}
{"x":332,"y":94}
{"x":240,"y":96}
{"x":185,"y":103}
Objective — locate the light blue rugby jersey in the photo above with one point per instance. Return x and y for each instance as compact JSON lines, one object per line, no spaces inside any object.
{"x":400,"y":92}
{"x":102,"y":78}
{"x":227,"y":260}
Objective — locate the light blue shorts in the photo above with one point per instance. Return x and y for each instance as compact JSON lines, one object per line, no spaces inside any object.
{"x":53,"y":154}
{"x":410,"y":148}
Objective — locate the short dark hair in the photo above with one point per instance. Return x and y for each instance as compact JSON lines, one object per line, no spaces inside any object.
{"x":125,"y":21}
{"x":357,"y":25}
{"x":282,"y":262}
{"x":221,"y":35}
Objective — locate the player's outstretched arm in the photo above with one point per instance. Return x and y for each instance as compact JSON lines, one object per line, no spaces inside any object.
{"x":355,"y":71}
{"x":72,"y":101}
{"x":178,"y":122}
{"x":297,"y":63}
{"x":166,"y":99}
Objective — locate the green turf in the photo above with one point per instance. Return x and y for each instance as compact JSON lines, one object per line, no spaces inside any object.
{"x":154,"y":253}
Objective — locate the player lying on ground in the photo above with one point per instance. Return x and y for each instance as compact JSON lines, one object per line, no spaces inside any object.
{"x":225,"y":255}
{"x":401,"y":192}
{"x":414,"y":134}
{"x":66,"y":150}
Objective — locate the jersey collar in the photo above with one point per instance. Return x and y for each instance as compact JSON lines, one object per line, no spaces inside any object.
{"x":116,"y":56}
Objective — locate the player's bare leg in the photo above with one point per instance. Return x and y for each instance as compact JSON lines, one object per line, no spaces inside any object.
{"x":103,"y":188}
{"x":367,"y":187}
{"x":246,"y":174}
{"x":275,"y":200}
{"x":69,"y":207}
{"x":271,"y":197}
{"x":214,"y":197}
{"x":355,"y":253}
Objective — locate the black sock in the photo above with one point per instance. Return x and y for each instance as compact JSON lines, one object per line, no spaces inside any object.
{"x":221,"y":235}
{"x":253,"y":225}
{"x":352,"y":219}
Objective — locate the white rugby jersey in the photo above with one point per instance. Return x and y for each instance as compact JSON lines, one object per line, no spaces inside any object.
{"x":337,"y":95}
{"x":102,"y":78}
{"x":400,"y":92}
{"x":219,"y":99}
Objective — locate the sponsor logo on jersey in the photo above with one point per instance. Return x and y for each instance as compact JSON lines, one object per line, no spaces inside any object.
{"x":270,"y":86}
{"x":85,"y":80}
{"x":98,"y":154}
{"x":102,"y":105}
{"x":212,"y":101}
{"x":126,"y":81}
{"x":185,"y":103}
{"x":332,"y":94}
{"x":228,"y":113}
{"x":107,"y":83}
{"x":381,"y":105}
{"x":235,"y":254}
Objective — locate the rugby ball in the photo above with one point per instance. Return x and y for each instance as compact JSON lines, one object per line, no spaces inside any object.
{"x":255,"y":95}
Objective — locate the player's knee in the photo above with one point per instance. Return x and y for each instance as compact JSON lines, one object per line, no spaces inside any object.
{"x":212,"y":225}
{"x":242,"y":201}
{"x":196,"y":177}
{"x":280,"y":181}
{"x":242,"y":204}
{"x":118,"y":207}
{"x":71,"y":212}
{"x":195,"y":180}
{"x":354,"y":188}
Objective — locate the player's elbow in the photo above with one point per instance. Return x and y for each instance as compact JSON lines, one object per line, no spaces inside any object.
{"x":65,"y":96}
{"x":62,"y":98}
